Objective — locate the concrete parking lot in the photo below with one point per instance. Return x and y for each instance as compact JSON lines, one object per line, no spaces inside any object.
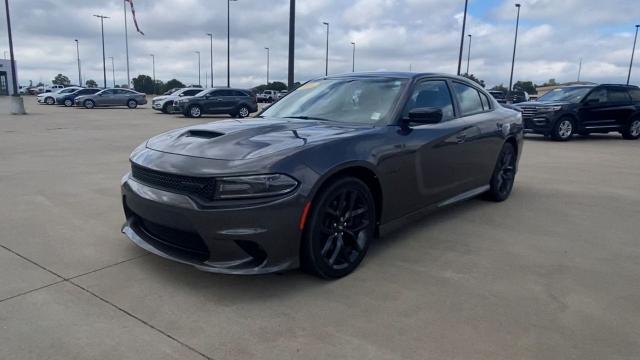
{"x":553,"y":273}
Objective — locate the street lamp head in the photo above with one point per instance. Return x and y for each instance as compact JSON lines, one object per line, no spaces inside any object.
{"x":353,"y":43}
{"x":76,"y":40}
{"x":325,"y":23}
{"x":517,"y":5}
{"x":210,"y":34}
{"x":470,"y":35}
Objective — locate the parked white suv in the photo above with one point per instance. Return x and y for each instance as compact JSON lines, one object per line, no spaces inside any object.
{"x":164,"y":103}
{"x":268,"y":96}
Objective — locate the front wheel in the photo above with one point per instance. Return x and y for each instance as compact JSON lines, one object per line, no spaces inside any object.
{"x":165,"y":108}
{"x":632,"y":130}
{"x":564,"y":129}
{"x":339,"y":229}
{"x":132,"y":104}
{"x":89,"y":104}
{"x":195,"y":111}
{"x":50,"y":101}
{"x":504,"y":175}
{"x":68,"y":103}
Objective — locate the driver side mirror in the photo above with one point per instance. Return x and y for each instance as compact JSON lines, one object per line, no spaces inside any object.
{"x":592,"y":101}
{"x":427,"y":115}
{"x":181,"y":95}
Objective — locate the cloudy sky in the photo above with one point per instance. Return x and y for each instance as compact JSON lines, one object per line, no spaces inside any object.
{"x":390,"y":35}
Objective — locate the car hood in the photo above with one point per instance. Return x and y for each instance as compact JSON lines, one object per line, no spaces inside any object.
{"x":249,"y":138}
{"x":542,"y":103}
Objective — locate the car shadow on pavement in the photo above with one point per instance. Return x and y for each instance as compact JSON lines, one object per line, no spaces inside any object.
{"x":577,"y":138}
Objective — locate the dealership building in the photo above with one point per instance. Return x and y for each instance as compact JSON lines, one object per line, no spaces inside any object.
{"x":6,"y":82}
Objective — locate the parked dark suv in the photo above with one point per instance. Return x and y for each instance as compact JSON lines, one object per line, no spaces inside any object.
{"x":235,"y":102}
{"x":570,"y":110}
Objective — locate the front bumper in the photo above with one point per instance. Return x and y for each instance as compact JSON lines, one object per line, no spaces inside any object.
{"x":234,"y":239}
{"x":538,"y":124}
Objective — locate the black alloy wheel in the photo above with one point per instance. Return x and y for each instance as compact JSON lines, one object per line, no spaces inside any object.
{"x":632,"y":130}
{"x":194,"y":111}
{"x":504,"y":174}
{"x":68,"y":103}
{"x":165,"y":108}
{"x":243,"y":112}
{"x":339,"y":229}
{"x":564,"y":129}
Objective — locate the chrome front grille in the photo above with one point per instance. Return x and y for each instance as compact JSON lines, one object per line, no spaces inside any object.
{"x":528,"y":112}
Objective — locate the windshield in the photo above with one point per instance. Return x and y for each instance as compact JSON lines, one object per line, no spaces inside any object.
{"x":172,"y":91}
{"x":363,"y":100}
{"x":203,"y":92}
{"x":572,"y":95}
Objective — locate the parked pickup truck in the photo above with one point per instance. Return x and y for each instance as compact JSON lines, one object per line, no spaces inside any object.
{"x":268,"y":96}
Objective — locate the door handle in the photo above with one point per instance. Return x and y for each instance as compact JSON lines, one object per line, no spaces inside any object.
{"x":461,"y":138}
{"x":499,"y":125}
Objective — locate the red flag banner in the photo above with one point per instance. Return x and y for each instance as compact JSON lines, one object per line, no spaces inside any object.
{"x":135,"y":21}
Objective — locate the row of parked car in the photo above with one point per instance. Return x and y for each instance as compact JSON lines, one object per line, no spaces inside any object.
{"x":195,"y":102}
{"x":93,"y":97}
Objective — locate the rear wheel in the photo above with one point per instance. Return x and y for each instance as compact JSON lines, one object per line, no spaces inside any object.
{"x":195,"y":111}
{"x":632,"y":130}
{"x":339,"y":229}
{"x":68,"y":103}
{"x":132,"y":104}
{"x":564,"y":129}
{"x":504,"y":174}
{"x":89,"y":104}
{"x":243,"y":112}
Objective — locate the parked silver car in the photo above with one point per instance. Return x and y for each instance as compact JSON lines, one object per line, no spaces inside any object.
{"x":164,"y":102}
{"x":49,"y":98}
{"x":112,"y":97}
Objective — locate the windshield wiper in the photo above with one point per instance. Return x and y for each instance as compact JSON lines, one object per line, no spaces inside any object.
{"x":302,"y":117}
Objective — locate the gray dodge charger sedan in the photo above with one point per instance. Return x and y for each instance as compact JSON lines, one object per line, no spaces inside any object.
{"x":312,"y":180}
{"x":112,"y":97}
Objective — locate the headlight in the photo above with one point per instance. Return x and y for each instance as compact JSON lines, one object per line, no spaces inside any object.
{"x":243,"y":187}
{"x":547,"y":109}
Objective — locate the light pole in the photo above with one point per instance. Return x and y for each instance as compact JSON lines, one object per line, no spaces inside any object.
{"x":635,"y":39}
{"x":17,"y":103}
{"x":464,"y":24}
{"x":78,"y":56}
{"x":229,"y":42}
{"x":113,"y":71}
{"x":515,"y":43}
{"x":268,"y":54}
{"x":353,"y":58}
{"x":199,"y":83}
{"x":104,"y":65}
{"x":5,"y":55}
{"x":211,"y":49}
{"x":292,"y":43}
{"x":579,"y":69}
{"x":126,"y":42}
{"x":469,"y":54}
{"x":326,"y":60}
{"x":153,"y":66}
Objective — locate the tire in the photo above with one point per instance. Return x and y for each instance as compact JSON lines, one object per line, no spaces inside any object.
{"x":243,"y":112}
{"x":504,"y":175}
{"x":334,"y":239}
{"x":563,"y":129}
{"x":194,"y":111}
{"x":165,"y":108}
{"x":89,"y":104}
{"x":632,"y":130}
{"x":68,"y":103}
{"x":50,"y":101}
{"x":132,"y":104}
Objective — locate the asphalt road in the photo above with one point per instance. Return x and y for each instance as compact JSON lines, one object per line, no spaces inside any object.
{"x":553,"y":273}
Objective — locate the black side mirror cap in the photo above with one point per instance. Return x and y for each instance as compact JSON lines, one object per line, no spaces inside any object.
{"x":427,"y":115}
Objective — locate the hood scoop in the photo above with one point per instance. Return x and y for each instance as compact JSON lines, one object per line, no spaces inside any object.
{"x":203,"y":134}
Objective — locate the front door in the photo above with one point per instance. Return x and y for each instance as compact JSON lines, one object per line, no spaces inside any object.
{"x":605,"y":109}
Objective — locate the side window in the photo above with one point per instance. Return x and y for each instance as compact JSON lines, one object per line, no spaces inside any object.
{"x":468,"y":98}
{"x":635,"y":95}
{"x":431,"y":93}
{"x":486,"y":104}
{"x":239,"y":93}
{"x":224,"y":93}
{"x":108,"y":92}
{"x":618,"y":95}
{"x":191,"y":92}
{"x":598,"y":94}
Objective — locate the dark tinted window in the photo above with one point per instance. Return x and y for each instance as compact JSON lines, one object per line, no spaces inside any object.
{"x":225,"y":93}
{"x":108,"y":92}
{"x":635,"y":94}
{"x":599,"y":94}
{"x":617,"y":95}
{"x":239,"y":93}
{"x":469,"y":99}
{"x":190,"y":92}
{"x":433,"y":93}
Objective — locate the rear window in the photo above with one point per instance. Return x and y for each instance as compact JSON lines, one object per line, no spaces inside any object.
{"x":618,"y":95}
{"x":635,"y":95}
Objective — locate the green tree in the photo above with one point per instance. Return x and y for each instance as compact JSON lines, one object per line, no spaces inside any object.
{"x":91,"y":83}
{"x":276,"y":85}
{"x":526,"y":86}
{"x":500,"y":88}
{"x":474,"y":78}
{"x":143,"y":84}
{"x":171,"y":84}
{"x":61,"y":80}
